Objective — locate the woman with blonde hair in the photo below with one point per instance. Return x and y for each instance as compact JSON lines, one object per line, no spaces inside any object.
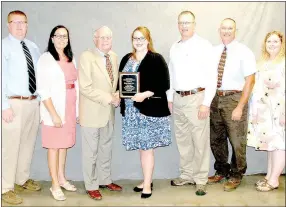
{"x":266,"y":130}
{"x":146,"y":116}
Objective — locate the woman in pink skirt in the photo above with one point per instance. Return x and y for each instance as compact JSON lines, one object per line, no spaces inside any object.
{"x":58,"y":88}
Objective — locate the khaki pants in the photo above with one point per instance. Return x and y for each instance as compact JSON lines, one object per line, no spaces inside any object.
{"x":193,"y":138}
{"x":96,"y":155}
{"x":18,"y":142}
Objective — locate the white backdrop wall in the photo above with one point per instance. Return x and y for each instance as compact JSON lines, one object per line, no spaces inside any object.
{"x":254,"y":20}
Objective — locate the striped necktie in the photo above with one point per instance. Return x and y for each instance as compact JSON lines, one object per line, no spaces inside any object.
{"x":31,"y":71}
{"x":221,"y":68}
{"x":109,"y":67}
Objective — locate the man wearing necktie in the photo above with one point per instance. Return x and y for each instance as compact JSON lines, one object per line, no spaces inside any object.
{"x":228,"y":118}
{"x":98,"y":75}
{"x":20,"y":108}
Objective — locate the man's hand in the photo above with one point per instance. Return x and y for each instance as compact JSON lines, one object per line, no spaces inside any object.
{"x":57,"y":121}
{"x":170,"y":106}
{"x":204,"y":112}
{"x":236,"y":114}
{"x":139,"y":97}
{"x":8,"y":115}
{"x":115,"y":99}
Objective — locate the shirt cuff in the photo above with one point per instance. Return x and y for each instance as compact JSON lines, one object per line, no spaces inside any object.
{"x":170,"y":95}
{"x":5,"y":105}
{"x":207,"y":102}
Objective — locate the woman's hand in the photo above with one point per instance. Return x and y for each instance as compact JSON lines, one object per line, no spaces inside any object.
{"x":139,"y":97}
{"x":57,"y":121}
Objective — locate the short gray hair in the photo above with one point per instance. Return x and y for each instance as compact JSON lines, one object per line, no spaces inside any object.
{"x":102,"y":27}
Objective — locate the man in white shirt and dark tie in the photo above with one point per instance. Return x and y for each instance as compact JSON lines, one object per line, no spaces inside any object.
{"x":193,"y":86}
{"x":236,"y":76}
{"x":20,"y":108}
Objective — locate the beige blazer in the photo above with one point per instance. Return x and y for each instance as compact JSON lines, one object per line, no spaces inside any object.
{"x":96,"y":89}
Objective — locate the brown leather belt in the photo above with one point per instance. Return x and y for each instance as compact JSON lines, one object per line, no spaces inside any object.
{"x":227,"y":92}
{"x":194,"y":91}
{"x":23,"y":97}
{"x":70,"y":86}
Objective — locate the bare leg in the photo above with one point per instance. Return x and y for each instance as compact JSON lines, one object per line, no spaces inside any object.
{"x":62,"y":165}
{"x":147,"y":163}
{"x":278,"y":164}
{"x":269,"y":165}
{"x":53,"y":163}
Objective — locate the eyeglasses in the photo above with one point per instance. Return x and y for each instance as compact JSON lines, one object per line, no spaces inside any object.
{"x":185,"y":23}
{"x":140,"y":39}
{"x":18,"y":22}
{"x":104,"y":37}
{"x":226,"y":28}
{"x":65,"y":37}
{"x":274,"y":41}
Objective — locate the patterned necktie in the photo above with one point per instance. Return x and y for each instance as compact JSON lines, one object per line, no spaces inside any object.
{"x":31,"y":71}
{"x":221,"y":67}
{"x":109,"y":67}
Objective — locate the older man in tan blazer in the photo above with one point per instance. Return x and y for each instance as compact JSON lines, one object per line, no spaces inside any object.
{"x":98,"y":76}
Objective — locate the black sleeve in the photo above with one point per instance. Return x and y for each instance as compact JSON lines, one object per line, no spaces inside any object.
{"x":162,"y":78}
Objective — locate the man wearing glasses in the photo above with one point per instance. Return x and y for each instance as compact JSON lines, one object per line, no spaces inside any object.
{"x":193,"y":86}
{"x":20,"y":108}
{"x":98,"y":75}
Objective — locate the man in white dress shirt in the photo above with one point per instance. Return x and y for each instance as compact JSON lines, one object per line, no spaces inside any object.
{"x":193,"y":86}
{"x":236,"y":70}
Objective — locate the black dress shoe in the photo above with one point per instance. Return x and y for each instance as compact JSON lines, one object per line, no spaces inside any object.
{"x":146,"y":195}
{"x":136,"y":189}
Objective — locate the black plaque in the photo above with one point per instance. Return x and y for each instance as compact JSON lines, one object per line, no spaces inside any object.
{"x":128,"y":84}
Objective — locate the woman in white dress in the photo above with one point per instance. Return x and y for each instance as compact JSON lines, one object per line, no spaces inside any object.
{"x":266,"y":129}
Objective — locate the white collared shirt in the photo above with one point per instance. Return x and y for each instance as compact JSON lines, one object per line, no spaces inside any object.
{"x":240,"y":62}
{"x":103,"y":56}
{"x":190,"y":67}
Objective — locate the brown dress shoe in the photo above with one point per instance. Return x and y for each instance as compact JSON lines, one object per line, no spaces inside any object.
{"x":216,"y":179}
{"x":111,"y":187}
{"x":94,"y":194}
{"x":231,"y":184}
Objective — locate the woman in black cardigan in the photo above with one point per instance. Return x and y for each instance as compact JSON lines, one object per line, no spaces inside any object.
{"x":146,"y":116}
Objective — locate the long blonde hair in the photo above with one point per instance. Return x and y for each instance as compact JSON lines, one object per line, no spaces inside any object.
{"x":281,"y":55}
{"x":146,"y":33}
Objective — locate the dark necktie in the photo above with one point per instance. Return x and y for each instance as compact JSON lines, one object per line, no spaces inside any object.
{"x":31,"y":71}
{"x":109,"y":67}
{"x":221,"y":68}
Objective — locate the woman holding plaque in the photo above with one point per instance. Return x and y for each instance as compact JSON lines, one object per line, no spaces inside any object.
{"x":146,"y":116}
{"x":266,"y":129}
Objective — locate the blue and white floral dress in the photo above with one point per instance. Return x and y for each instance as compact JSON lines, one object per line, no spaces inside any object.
{"x":140,"y":131}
